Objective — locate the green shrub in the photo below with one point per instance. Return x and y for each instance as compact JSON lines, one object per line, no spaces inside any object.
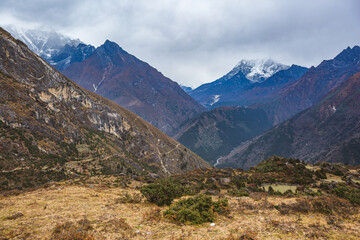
{"x":351,"y":194}
{"x":239,"y":192}
{"x":196,"y":210}
{"x":320,"y":174}
{"x":163,"y":191}
{"x":128,"y":198}
{"x":238,"y":181}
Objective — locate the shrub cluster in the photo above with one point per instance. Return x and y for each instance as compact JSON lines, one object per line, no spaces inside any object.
{"x":163,"y":191}
{"x":128,"y":198}
{"x":351,"y":194}
{"x":73,"y":231}
{"x":196,"y":210}
{"x":323,"y":204}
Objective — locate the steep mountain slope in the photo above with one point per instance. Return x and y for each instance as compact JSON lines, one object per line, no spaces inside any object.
{"x":264,"y":91}
{"x":58,"y":50}
{"x":215,"y":133}
{"x":243,"y":75}
{"x":310,"y":88}
{"x":51,"y":128}
{"x":328,"y":131}
{"x":115,"y":74}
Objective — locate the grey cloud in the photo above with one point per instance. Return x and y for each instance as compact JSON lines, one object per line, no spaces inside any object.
{"x":197,"y":41}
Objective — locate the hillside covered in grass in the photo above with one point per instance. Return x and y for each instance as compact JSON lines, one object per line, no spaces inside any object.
{"x":278,"y":199}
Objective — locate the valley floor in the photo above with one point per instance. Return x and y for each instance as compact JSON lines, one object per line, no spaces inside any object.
{"x":97,"y":205}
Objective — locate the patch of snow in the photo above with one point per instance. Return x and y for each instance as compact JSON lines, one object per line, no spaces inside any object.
{"x":334,"y":109}
{"x":256,"y":70}
{"x":113,"y":115}
{"x":103,"y":77}
{"x":216,"y":98}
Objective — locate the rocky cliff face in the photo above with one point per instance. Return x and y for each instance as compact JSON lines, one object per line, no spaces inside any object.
{"x":115,"y":74}
{"x":50,"y":126}
{"x":328,"y":131}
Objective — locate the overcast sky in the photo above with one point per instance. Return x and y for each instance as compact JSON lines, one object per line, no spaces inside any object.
{"x":198,"y":41}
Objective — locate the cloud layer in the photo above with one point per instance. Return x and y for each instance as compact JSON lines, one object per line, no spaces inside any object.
{"x":198,"y":41}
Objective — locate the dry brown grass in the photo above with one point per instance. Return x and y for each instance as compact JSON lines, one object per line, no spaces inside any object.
{"x":254,"y":217}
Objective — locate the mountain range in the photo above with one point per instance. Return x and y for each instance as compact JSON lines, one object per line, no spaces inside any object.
{"x":281,"y":96}
{"x":314,"y":85}
{"x":328,"y":131}
{"x":253,"y":97}
{"x":53,"y":129}
{"x":117,"y":75}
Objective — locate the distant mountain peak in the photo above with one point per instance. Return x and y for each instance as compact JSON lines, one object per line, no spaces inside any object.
{"x":348,"y":54}
{"x":42,"y":42}
{"x":257,"y":70}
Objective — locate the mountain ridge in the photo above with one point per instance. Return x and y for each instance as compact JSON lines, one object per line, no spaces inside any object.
{"x":119,"y":76}
{"x":327,"y":131}
{"x":55,"y":127}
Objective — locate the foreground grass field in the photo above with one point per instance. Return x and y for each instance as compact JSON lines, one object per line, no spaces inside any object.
{"x":102,"y":209}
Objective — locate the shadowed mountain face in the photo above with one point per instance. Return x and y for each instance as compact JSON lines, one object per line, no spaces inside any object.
{"x":214,"y":134}
{"x":52,"y":128}
{"x":310,"y":88}
{"x":328,"y":131}
{"x":113,"y":73}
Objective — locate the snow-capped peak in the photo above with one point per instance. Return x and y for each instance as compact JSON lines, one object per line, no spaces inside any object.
{"x":257,"y":70}
{"x":43,"y":43}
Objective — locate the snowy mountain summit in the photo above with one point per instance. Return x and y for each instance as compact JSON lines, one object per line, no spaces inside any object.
{"x":43,"y":43}
{"x":257,"y":70}
{"x":57,"y":49}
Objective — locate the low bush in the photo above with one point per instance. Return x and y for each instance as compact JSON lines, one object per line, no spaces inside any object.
{"x":331,"y":205}
{"x":242,"y":192}
{"x":129,"y":198}
{"x":73,"y":231}
{"x":323,"y":204}
{"x":351,"y":194}
{"x":196,"y":210}
{"x":301,"y":205}
{"x":163,"y":191}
